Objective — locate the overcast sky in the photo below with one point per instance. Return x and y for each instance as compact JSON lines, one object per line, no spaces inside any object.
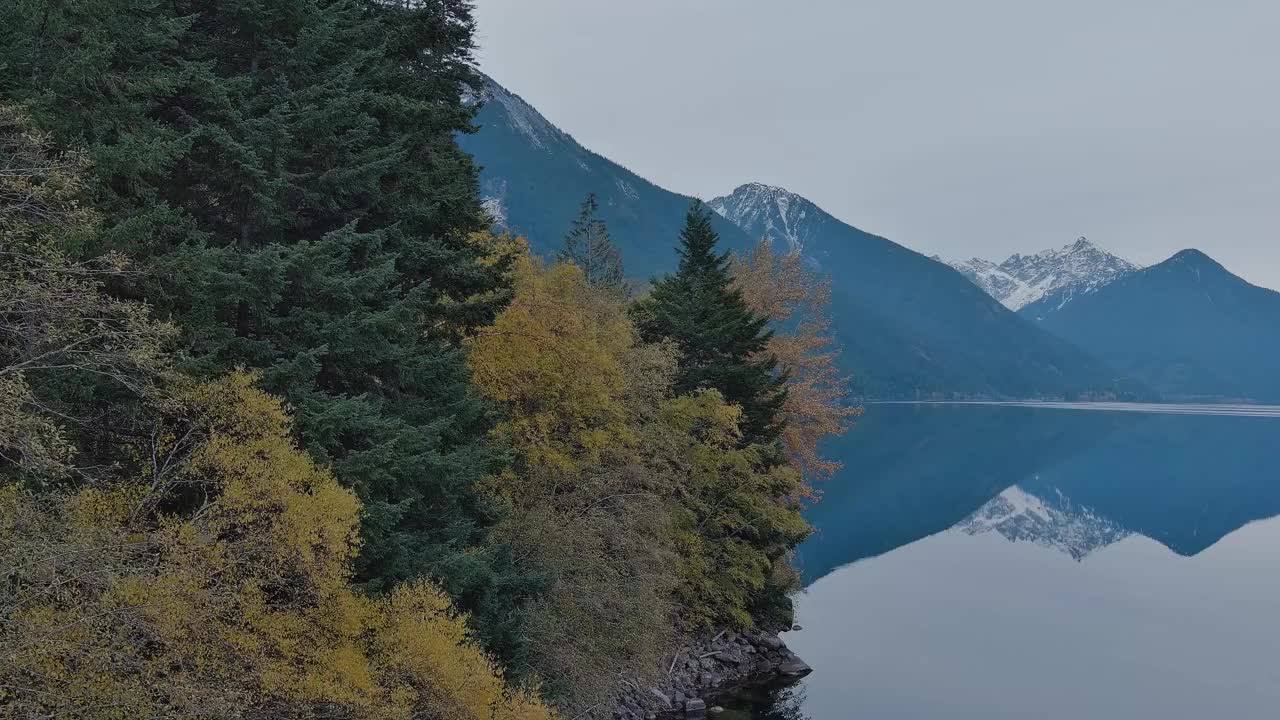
{"x":974,"y":127}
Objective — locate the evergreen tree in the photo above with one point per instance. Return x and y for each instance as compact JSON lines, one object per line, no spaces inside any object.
{"x":721,"y":340}
{"x":288,"y":170}
{"x":589,"y":246}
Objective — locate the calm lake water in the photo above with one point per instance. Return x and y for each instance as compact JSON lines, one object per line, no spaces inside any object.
{"x":1012,"y":562}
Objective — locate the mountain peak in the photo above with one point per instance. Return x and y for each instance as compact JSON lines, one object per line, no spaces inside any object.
{"x":1187,"y":327}
{"x":1055,"y":523}
{"x":775,"y":212}
{"x":761,"y":188}
{"x":911,"y":327}
{"x":1192,"y":256}
{"x":1048,"y":279}
{"x":1195,"y":262}
{"x":534,"y":177}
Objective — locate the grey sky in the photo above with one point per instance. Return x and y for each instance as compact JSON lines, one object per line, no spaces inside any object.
{"x":981,"y":127}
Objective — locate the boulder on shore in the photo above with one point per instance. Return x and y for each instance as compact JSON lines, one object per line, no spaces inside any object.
{"x":709,"y":668}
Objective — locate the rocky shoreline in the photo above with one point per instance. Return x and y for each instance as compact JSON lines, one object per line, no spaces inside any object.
{"x":708,"y":669}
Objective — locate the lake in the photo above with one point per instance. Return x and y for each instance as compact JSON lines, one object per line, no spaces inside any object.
{"x":981,"y":561}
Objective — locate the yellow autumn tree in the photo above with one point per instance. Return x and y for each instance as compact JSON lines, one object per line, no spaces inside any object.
{"x":585,"y":509}
{"x":556,"y":356}
{"x":795,"y":298}
{"x":215,"y":582}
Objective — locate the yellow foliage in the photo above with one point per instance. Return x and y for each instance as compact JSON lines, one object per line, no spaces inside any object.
{"x":240,"y":607}
{"x":578,"y":388}
{"x":420,"y":640}
{"x":499,"y":248}
{"x":555,"y":359}
{"x":30,"y":440}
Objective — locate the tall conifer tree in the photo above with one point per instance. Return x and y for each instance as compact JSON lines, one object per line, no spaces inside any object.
{"x":289,"y":173}
{"x":720,"y":338}
{"x":589,"y":246}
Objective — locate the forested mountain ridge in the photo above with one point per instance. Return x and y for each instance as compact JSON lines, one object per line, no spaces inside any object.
{"x":1187,"y":327}
{"x":533,"y":176}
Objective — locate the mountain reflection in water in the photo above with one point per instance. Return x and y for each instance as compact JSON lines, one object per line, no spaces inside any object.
{"x":994,"y":561}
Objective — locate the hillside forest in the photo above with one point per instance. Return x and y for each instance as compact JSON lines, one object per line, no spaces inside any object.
{"x":287,"y":431}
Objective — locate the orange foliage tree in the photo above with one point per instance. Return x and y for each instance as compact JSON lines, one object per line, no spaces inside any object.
{"x":795,"y":298}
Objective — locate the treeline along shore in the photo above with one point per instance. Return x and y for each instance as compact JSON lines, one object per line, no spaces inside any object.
{"x":287,"y":431}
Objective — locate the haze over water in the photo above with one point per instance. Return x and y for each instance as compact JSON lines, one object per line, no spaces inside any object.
{"x":1020,"y":560}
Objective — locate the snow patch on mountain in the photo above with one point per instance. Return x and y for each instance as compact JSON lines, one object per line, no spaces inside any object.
{"x":774,"y":212}
{"x":1052,"y":277}
{"x":627,"y":189}
{"x":493,"y":199}
{"x":520,"y":114}
{"x":496,"y":210}
{"x":1056,"y":523}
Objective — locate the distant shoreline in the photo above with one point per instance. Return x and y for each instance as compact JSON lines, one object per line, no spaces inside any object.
{"x":1232,"y":410}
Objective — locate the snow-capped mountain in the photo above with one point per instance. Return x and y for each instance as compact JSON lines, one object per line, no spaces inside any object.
{"x":904,"y":319}
{"x":1056,"y":523}
{"x":909,"y":326}
{"x":770,"y":211}
{"x":1038,"y":284}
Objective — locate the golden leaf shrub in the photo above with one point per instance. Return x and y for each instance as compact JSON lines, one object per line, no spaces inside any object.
{"x":216,"y":583}
{"x":585,"y":508}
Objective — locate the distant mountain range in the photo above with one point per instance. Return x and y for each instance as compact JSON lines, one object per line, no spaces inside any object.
{"x":1186,"y":328}
{"x":1088,"y":323}
{"x":1039,"y":284}
{"x":910,"y":325}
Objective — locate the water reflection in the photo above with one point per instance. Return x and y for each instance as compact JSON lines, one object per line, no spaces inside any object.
{"x":1016,"y":562}
{"x":915,"y":470}
{"x":780,"y":703}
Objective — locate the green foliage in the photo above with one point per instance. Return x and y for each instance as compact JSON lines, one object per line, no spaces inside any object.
{"x":286,"y":177}
{"x":737,"y":513}
{"x":721,"y":340}
{"x":289,"y":173}
{"x":589,"y":246}
{"x":68,"y":351}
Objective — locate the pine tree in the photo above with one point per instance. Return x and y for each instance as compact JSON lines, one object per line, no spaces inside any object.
{"x":589,"y":246}
{"x":721,"y":340}
{"x":288,"y":172}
